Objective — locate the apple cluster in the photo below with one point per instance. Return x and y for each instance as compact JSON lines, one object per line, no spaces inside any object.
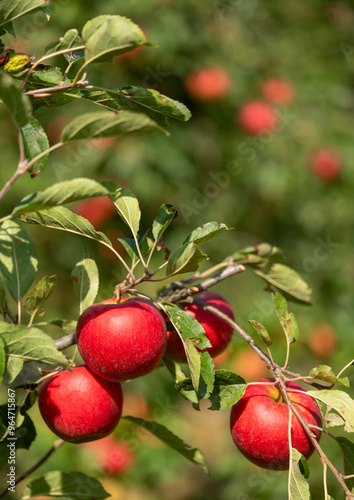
{"x":120,"y":341}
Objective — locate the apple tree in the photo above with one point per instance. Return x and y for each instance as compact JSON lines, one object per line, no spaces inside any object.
{"x":180,"y":329}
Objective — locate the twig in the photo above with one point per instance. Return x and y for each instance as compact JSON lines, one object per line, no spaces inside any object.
{"x":23,"y":476}
{"x":66,"y":341}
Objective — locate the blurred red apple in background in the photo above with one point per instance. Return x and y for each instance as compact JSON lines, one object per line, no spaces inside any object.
{"x":208,"y":84}
{"x":278,"y":91}
{"x":322,"y":340}
{"x":113,"y":456}
{"x":249,"y":365}
{"x":327,"y":164}
{"x":96,"y":210}
{"x":255,"y":117}
{"x":259,"y":424}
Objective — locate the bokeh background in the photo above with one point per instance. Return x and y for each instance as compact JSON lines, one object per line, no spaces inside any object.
{"x":264,"y":186}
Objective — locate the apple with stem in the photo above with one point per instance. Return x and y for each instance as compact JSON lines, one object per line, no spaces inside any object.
{"x":122,"y":341}
{"x":79,"y":406}
{"x":216,"y":329}
{"x":257,"y":116}
{"x":259,"y":424}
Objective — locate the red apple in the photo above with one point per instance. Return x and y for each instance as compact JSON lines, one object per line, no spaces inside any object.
{"x":255,"y":117}
{"x":217,"y":330}
{"x":122,"y":341}
{"x":259,"y":424}
{"x":327,"y":164}
{"x":79,"y":406}
{"x":278,"y":91}
{"x":208,"y":84}
{"x":96,"y":210}
{"x":322,"y":340}
{"x":249,"y":365}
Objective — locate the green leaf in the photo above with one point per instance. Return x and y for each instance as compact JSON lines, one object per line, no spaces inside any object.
{"x":109,"y":124}
{"x":18,"y":104}
{"x":258,"y":256}
{"x":73,"y":485}
{"x":207,"y":375}
{"x":108,"y":36}
{"x":288,"y":280}
{"x":60,"y":193}
{"x":39,"y":294}
{"x":70,"y":40}
{"x":2,"y":360}
{"x":31,"y":344}
{"x":165,"y":216}
{"x":154,"y":101}
{"x":127,"y":206}
{"x":185,"y":259}
{"x":262,"y":332}
{"x":86,"y":281}
{"x":145,"y":245}
{"x":13,"y":9}
{"x":298,"y":486}
{"x":348,"y":455}
{"x":46,"y":75}
{"x":35,"y":141}
{"x":187,"y":326}
{"x":65,"y":220}
{"x":166,"y":436}
{"x":206,"y":233}
{"x":339,"y":401}
{"x":18,"y":261}
{"x":13,"y":368}
{"x":228,"y":389}
{"x":325,"y":373}
{"x":194,"y":363}
{"x":287,"y":320}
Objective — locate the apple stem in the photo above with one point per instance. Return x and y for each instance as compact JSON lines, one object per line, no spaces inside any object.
{"x":57,"y":444}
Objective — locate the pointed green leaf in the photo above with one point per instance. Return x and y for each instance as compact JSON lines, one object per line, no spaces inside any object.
{"x":13,"y":368}
{"x":325,"y":373}
{"x":108,"y":36}
{"x":13,"y":9}
{"x":288,"y":280}
{"x":262,"y":332}
{"x":18,"y":261}
{"x":348,"y":455}
{"x":194,"y":363}
{"x":71,"y":485}
{"x":340,"y":402}
{"x":287,"y":320}
{"x":185,"y":259}
{"x":31,"y":344}
{"x":192,"y":454}
{"x":70,"y":40}
{"x":299,"y":488}
{"x":206,"y":233}
{"x":62,"y":218}
{"x":60,"y":193}
{"x":86,"y":281}
{"x":207,"y":375}
{"x":153,"y":100}
{"x":127,"y":206}
{"x":228,"y":389}
{"x":35,"y":141}
{"x":187,"y":326}
{"x":39,"y":294}
{"x":18,"y":104}
{"x":109,"y":124}
{"x":2,"y":360}
{"x":165,"y":216}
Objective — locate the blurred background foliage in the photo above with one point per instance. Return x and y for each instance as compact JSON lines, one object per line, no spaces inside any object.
{"x":262,"y":186}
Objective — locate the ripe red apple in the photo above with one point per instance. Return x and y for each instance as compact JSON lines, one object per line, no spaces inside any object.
{"x":211,"y":83}
{"x":278,"y":91}
{"x":122,"y":341}
{"x":79,"y":406}
{"x":327,"y":164}
{"x":217,"y":330}
{"x":255,"y":117}
{"x":259,"y":424}
{"x":96,"y":210}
